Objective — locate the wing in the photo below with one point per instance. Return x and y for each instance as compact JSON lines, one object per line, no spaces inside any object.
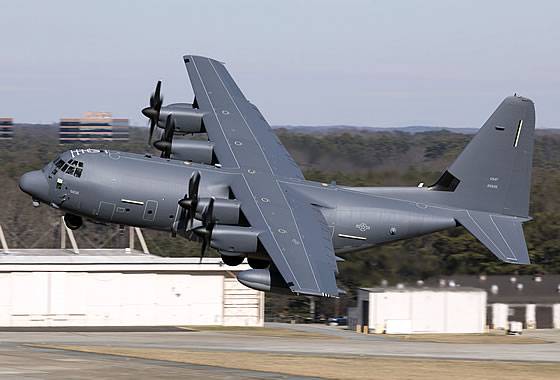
{"x":241,"y":135}
{"x":295,"y":234}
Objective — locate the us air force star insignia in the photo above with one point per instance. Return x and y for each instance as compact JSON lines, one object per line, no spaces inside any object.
{"x":363,"y":227}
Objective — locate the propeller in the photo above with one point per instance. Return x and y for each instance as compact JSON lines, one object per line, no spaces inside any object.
{"x":164,"y":144}
{"x":190,"y":201}
{"x":152,"y":112}
{"x":205,"y":231}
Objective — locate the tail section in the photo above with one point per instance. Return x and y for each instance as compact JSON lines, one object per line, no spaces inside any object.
{"x":491,"y":180}
{"x":493,"y":173}
{"x":501,"y":234}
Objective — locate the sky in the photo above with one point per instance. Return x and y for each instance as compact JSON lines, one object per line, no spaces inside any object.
{"x":310,"y":62}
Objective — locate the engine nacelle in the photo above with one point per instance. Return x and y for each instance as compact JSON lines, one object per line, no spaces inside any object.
{"x":226,"y":211}
{"x":234,"y":239}
{"x":187,"y":119}
{"x":193,"y":150}
{"x":266,"y":280}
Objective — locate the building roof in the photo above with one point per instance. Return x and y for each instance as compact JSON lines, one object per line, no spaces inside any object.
{"x":510,"y":289}
{"x":408,"y":289}
{"x":102,"y":260}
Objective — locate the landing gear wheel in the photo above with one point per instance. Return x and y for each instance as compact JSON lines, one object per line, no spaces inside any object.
{"x":73,"y":221}
{"x":232,"y":260}
{"x":258,"y":263}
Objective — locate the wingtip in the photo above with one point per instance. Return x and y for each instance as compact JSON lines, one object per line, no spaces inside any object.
{"x":190,"y":57}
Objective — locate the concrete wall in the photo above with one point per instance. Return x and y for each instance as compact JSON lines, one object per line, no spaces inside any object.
{"x":127,"y":299}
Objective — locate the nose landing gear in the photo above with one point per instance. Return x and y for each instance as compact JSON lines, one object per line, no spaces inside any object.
{"x":73,"y":221}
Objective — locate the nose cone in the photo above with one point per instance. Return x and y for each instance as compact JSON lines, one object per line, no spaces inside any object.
{"x":35,"y":184}
{"x":149,"y":112}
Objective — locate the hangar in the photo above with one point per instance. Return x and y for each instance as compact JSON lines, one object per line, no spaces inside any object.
{"x":402,"y":310}
{"x":120,"y":287}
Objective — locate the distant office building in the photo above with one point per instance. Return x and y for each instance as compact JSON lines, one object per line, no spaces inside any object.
{"x":93,"y":127}
{"x":120,"y":129}
{"x":6,"y":128}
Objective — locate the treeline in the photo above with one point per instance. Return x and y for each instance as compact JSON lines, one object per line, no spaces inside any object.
{"x":356,"y":159}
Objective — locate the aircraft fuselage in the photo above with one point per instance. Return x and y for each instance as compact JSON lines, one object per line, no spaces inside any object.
{"x":143,"y":191}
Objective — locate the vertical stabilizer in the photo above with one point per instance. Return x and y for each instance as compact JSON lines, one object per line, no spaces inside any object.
{"x":493,"y":173}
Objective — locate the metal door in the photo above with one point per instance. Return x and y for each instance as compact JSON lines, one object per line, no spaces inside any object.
{"x":365,"y":313}
{"x":106,"y":211}
{"x":544,"y":317}
{"x":150,"y":211}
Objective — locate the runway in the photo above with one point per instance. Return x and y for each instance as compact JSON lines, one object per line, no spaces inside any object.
{"x":36,"y":354}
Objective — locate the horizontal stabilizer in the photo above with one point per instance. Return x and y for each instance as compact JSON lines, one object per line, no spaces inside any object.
{"x":501,"y":234}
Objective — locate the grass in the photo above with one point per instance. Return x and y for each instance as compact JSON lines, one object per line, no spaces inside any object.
{"x":491,"y":338}
{"x":261,"y":331}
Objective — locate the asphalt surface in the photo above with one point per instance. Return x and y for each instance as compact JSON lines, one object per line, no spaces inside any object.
{"x":20,"y":360}
{"x":24,"y":362}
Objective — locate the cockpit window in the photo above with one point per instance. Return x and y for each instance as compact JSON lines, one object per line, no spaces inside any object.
{"x":72,"y":167}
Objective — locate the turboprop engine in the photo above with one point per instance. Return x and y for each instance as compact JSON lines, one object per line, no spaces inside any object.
{"x":187,"y":116}
{"x":187,"y":150}
{"x":187,"y":119}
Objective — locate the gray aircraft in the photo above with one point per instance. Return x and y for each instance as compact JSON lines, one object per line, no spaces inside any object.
{"x":242,"y":194}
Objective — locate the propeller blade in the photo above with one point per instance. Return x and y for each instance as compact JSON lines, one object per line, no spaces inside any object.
{"x":164,"y":145}
{"x":152,"y":112}
{"x":194,"y":183}
{"x":203,"y":250}
{"x":208,"y":227}
{"x":157,"y":95}
{"x":208,"y":215}
{"x":169,"y":129}
{"x":190,"y":200}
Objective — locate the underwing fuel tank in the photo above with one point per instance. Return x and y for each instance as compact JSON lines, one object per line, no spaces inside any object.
{"x":265,"y":280}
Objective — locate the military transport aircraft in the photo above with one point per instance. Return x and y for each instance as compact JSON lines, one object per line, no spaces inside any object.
{"x":242,"y":194}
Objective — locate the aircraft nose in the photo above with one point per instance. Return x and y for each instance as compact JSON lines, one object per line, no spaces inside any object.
{"x":35,"y":184}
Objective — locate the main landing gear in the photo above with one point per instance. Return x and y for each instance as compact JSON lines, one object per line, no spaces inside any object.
{"x":73,"y":221}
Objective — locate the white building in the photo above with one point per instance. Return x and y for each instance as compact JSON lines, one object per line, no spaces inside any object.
{"x":533,"y":300}
{"x":399,"y":310}
{"x":58,"y":287}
